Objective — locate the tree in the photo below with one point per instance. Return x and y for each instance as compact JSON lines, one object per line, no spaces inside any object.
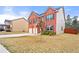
{"x":75,"y":23}
{"x":41,"y":25}
{"x":77,"y":26}
{"x":68,"y":22}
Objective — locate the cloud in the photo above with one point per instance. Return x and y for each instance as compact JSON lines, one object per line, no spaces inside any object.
{"x":24,"y":14}
{"x":78,"y":19}
{"x":68,"y":9}
{"x":9,"y":14}
{"x":8,"y":9}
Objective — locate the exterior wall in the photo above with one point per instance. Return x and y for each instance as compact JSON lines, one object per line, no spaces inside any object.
{"x":60,"y":21}
{"x":7,"y":27}
{"x":33,"y":28}
{"x":50,"y":22}
{"x":19,"y":25}
{"x":7,"y":22}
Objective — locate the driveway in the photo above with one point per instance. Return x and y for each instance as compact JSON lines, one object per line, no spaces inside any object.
{"x":16,"y":35}
{"x":3,"y":49}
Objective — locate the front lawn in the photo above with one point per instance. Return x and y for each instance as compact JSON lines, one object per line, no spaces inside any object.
{"x":41,"y":43}
{"x":4,"y":33}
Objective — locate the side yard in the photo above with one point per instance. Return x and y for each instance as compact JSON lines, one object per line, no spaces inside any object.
{"x":41,"y":43}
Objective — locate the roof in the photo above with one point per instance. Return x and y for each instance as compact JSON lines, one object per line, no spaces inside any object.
{"x":55,"y":9}
{"x":34,"y":14}
{"x":15,"y":19}
{"x":59,"y":8}
{"x":7,"y":20}
{"x":2,"y":24}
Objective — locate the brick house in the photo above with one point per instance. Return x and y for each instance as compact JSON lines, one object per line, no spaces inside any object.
{"x":20,"y":25}
{"x":53,"y":20}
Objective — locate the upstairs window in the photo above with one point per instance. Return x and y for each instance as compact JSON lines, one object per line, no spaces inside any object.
{"x":50,"y":17}
{"x":35,"y":21}
{"x":30,"y":21}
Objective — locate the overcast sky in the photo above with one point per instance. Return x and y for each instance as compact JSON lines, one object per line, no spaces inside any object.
{"x":14,"y":12}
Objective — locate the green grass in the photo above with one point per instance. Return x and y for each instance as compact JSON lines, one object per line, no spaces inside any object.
{"x":42,"y":44}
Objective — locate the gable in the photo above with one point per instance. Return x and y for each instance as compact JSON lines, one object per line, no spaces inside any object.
{"x":20,"y":20}
{"x":50,"y":11}
{"x":33,"y":16}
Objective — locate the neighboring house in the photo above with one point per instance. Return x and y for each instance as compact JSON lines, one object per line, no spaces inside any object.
{"x":20,"y":25}
{"x":8,"y":25}
{"x":53,"y":20}
{"x":2,"y":27}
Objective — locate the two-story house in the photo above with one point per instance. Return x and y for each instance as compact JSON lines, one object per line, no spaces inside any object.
{"x":53,"y":20}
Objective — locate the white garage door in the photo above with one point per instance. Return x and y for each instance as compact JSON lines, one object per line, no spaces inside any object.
{"x":30,"y":30}
{"x":35,"y":30}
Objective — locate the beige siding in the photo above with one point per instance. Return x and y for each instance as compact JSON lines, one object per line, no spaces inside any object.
{"x":60,"y":22}
{"x":20,"y":25}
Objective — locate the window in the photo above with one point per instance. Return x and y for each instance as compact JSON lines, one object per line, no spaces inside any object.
{"x":8,"y":26}
{"x":30,"y":21}
{"x":35,"y":21}
{"x":50,"y":17}
{"x":49,"y":28}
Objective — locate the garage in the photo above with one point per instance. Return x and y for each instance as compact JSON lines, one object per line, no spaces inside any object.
{"x":30,"y":30}
{"x":33,"y":30}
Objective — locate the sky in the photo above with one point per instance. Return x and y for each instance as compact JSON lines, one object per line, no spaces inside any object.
{"x":14,"y":12}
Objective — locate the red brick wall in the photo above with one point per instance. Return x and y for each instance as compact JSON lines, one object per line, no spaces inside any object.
{"x":50,"y":22}
{"x":46,"y":22}
{"x":32,"y":17}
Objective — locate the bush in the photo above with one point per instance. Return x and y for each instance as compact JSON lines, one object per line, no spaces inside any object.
{"x":1,"y":29}
{"x":8,"y":30}
{"x":48,"y":33}
{"x":45,"y":33}
{"x":52,"y":33}
{"x":70,"y":30}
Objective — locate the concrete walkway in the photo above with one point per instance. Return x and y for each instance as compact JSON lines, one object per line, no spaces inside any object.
{"x":16,"y":35}
{"x":3,"y":49}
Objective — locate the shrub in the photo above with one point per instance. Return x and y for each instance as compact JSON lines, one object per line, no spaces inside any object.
{"x":1,"y":29}
{"x":8,"y":30}
{"x":48,"y":33}
{"x":52,"y":33}
{"x":70,"y":30}
{"x":45,"y":33}
{"x":23,"y":31}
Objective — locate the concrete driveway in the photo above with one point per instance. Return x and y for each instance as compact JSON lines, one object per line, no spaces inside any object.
{"x":16,"y":35}
{"x":3,"y":49}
